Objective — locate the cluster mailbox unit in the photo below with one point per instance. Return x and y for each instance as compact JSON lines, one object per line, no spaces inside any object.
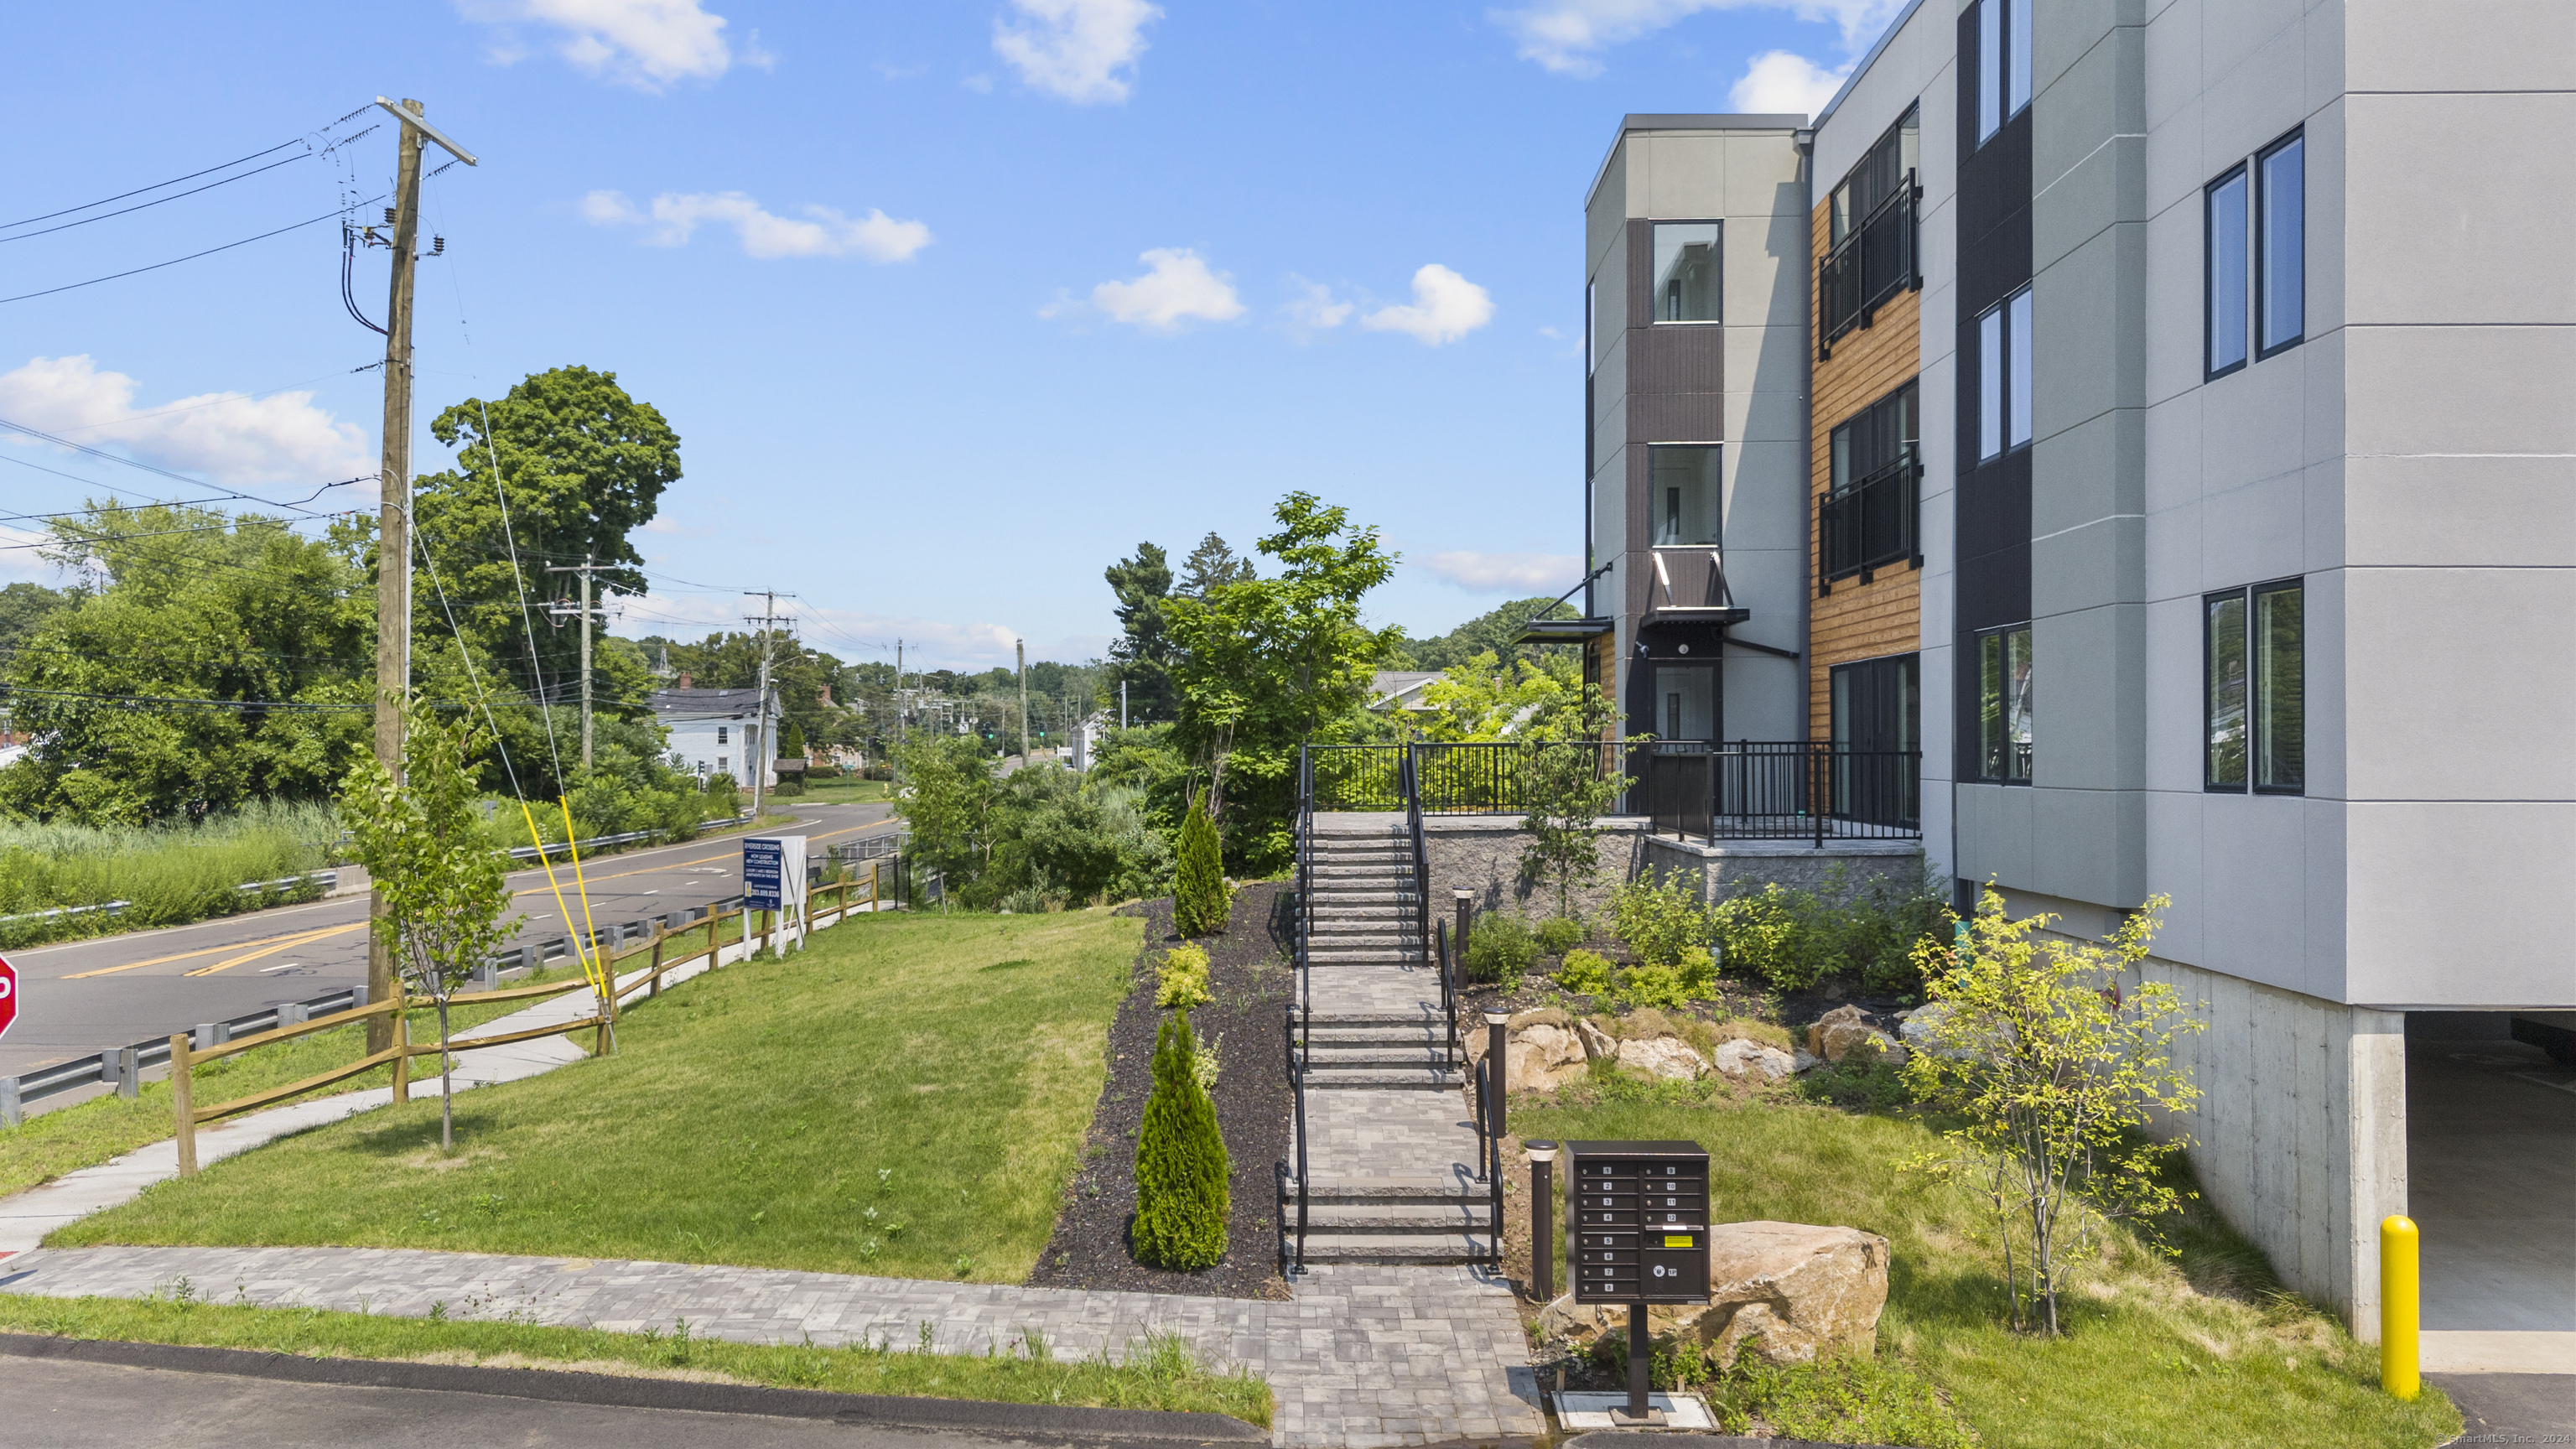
{"x":1639,"y":1221}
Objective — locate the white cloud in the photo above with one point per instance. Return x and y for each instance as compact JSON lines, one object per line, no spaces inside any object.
{"x":854,"y":635}
{"x":1568,"y":36}
{"x":823,"y":232}
{"x":21,"y":556}
{"x":1778,"y":82}
{"x":1520,"y":573}
{"x":1445,"y":307}
{"x":980,"y":84}
{"x":1178,"y":287}
{"x":230,"y":437}
{"x":644,"y":43}
{"x":1315,"y":308}
{"x":1074,"y":49}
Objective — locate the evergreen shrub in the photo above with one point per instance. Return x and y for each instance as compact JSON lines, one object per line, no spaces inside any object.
{"x":1181,"y":981}
{"x":1181,"y":1163}
{"x":1200,"y":901}
{"x":1563,"y":934}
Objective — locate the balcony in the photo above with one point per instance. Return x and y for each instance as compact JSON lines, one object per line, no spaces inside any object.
{"x":1877,"y":260}
{"x":1870,"y":523}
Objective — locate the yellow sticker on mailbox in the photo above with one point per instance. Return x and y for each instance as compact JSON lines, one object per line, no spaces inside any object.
{"x":1680,"y":1242}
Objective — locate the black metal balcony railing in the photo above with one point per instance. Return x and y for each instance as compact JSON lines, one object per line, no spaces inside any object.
{"x":1870,"y":523}
{"x":1875,"y":261}
{"x":1744,"y":790}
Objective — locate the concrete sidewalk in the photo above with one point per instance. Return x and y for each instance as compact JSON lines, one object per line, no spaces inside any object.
{"x":25,"y":1218}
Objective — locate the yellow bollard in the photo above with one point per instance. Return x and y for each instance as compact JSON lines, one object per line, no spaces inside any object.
{"x":2399,"y":1302}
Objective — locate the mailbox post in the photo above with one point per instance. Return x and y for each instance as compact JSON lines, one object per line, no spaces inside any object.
{"x":1638,"y":1214}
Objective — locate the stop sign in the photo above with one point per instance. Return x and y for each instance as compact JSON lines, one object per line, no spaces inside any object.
{"x":8,"y":996}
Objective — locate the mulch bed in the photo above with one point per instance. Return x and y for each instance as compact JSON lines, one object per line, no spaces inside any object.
{"x":1251,"y":979}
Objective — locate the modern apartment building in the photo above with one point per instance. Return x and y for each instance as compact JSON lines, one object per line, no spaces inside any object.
{"x":2189,"y":476}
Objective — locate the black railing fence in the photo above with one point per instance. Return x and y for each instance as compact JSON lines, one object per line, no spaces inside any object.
{"x":1872,"y":522}
{"x":1874,"y":262}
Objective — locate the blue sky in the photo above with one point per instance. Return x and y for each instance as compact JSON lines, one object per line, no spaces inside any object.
{"x":951,"y":304}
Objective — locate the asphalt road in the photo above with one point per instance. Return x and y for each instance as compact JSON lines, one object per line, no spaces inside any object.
{"x":54,"y":1404}
{"x":81,"y":997}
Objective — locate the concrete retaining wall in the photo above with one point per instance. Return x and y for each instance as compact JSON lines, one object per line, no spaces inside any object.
{"x":1732,"y":867}
{"x":2300,"y":1140}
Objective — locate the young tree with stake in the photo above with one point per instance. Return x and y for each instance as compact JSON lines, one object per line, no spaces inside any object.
{"x":445,"y":887}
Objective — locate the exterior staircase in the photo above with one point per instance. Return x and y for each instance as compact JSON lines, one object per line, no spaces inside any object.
{"x":1393,"y":1166}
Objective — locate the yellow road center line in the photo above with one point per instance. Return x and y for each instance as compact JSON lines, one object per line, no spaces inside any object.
{"x":273,"y":950}
{"x":282,"y":941}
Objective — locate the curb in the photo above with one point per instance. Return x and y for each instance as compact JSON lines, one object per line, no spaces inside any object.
{"x":1036,"y":1421}
{"x":1612,"y":1438}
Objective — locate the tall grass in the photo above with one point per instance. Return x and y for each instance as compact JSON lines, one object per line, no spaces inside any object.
{"x":171,"y":873}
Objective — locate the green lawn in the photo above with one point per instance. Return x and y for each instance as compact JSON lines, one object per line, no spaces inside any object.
{"x":1161,"y":1374}
{"x":905,"y":1097}
{"x":2197,"y":1351}
{"x":843,"y":790}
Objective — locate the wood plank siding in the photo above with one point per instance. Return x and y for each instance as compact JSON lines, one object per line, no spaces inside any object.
{"x":1855,"y":620}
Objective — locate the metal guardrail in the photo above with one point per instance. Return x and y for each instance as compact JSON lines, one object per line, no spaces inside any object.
{"x":1784,"y":790}
{"x":329,"y":880}
{"x":1869,"y":523}
{"x":1874,"y":261}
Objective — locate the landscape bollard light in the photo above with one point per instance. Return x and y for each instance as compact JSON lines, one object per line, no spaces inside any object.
{"x":2399,"y":1368}
{"x":1498,"y":1036}
{"x":1542,"y":1156}
{"x":1466,"y":907}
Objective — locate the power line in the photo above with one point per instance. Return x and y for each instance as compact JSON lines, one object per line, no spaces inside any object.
{"x":192,"y":256}
{"x":156,"y":201}
{"x":173,"y":181}
{"x":106,"y":456}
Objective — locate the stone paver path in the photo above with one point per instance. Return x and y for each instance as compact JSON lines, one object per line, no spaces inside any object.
{"x":1362,"y":1356}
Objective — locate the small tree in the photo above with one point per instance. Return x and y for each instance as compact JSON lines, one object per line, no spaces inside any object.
{"x":1201,"y":905}
{"x":1181,"y":1163}
{"x":2055,"y":1071}
{"x":1567,"y":780}
{"x":445,"y":885}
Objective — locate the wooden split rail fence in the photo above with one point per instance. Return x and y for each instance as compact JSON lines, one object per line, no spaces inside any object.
{"x":859,"y":893}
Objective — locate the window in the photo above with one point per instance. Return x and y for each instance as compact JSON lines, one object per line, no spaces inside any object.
{"x":1591,"y":325}
{"x":1686,"y":271}
{"x":721,"y":766}
{"x":2004,"y":705}
{"x":1868,"y":515}
{"x":720,"y":734}
{"x":2224,"y":201}
{"x":2254,"y":715}
{"x":2004,"y":383}
{"x":2003,"y":63}
{"x":1872,"y":226}
{"x":1876,"y":177}
{"x":2280,"y":282}
{"x":1683,"y":494}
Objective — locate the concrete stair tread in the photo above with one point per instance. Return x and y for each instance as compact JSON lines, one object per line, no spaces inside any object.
{"x":1397,"y":1248}
{"x":1324,"y":1079}
{"x":1387,"y":1220}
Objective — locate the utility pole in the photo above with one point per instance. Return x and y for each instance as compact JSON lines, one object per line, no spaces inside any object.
{"x":763,"y":747}
{"x":393,"y":509}
{"x":1122,"y":704}
{"x":585,"y":568}
{"x":1022,"y":646}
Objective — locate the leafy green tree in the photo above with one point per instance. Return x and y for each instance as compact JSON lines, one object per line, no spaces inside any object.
{"x":1568,"y":781}
{"x":1267,"y":664}
{"x":584,"y":465}
{"x":444,"y":886}
{"x":1182,"y":1169}
{"x":1201,"y":905}
{"x":1212,"y":565}
{"x":272,"y":630}
{"x":1059,"y":839}
{"x":948,"y":798}
{"x":1141,"y":657}
{"x":2057,"y":1055}
{"x":1492,"y":632}
{"x":22,"y":607}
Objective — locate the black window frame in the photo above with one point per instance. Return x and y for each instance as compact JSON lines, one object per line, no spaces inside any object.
{"x":2249,"y":597}
{"x":1851,"y":503}
{"x":1881,"y":781}
{"x":2006,"y":355}
{"x":2209,"y":370}
{"x":1999,"y":66}
{"x":1977,"y":646}
{"x":1717,"y":290}
{"x":2258,"y":243}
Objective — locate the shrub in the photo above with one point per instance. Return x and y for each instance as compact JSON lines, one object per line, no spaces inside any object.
{"x":1181,"y":1164}
{"x":1200,"y":901}
{"x":1560,"y":935}
{"x":1662,"y":923}
{"x":1693,"y":978}
{"x":1585,"y":973}
{"x":1499,"y":947}
{"x":1786,"y":937}
{"x":1181,"y":981}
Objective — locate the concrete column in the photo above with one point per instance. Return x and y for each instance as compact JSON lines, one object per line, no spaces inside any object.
{"x":2375,"y":1088}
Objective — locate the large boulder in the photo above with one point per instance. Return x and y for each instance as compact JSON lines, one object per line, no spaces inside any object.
{"x":1669,"y":1057}
{"x":1839,"y":1016}
{"x":1600,"y":1045}
{"x":1788,"y":1292}
{"x":1842,"y":1039}
{"x":1742,"y":1058}
{"x":1541,"y":1051}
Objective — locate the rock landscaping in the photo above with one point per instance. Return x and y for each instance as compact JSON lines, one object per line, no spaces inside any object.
{"x":1248,"y":985}
{"x":1784,"y":1293}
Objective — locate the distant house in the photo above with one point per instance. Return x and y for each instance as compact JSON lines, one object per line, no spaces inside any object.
{"x":1400,"y":688}
{"x":719,"y":731}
